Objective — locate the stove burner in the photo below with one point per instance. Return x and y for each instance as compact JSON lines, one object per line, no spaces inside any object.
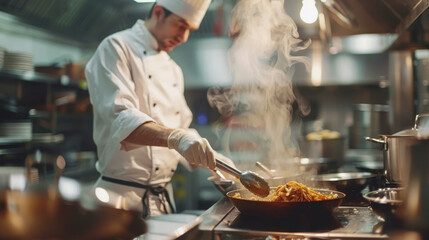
{"x":297,"y":223}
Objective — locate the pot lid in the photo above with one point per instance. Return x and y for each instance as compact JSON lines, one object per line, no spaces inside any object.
{"x":407,"y":133}
{"x":420,"y":127}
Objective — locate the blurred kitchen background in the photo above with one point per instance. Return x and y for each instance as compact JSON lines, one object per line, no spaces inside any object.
{"x":369,"y":76}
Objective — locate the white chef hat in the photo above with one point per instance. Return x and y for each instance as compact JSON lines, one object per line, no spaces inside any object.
{"x":191,"y":10}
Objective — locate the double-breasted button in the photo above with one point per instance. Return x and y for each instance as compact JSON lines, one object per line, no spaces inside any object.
{"x":154,"y":104}
{"x":144,"y":52}
{"x":177,"y":113}
{"x":150,"y":76}
{"x":156,"y":169}
{"x":175,"y":85}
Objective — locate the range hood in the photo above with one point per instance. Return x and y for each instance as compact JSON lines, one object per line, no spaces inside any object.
{"x":85,"y":21}
{"x":406,"y":19}
{"x":415,"y":37}
{"x":89,"y":21}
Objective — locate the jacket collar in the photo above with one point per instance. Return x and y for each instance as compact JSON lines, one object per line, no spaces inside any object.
{"x":150,"y":42}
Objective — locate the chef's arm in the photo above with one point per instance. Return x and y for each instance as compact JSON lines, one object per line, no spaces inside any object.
{"x":195,"y":149}
{"x":150,"y":134}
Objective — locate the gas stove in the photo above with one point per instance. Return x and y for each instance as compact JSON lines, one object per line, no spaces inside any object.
{"x":224,"y":221}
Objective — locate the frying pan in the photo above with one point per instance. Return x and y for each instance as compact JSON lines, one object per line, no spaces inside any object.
{"x":246,"y":205}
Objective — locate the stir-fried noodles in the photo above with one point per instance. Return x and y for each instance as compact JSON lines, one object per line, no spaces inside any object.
{"x":298,"y":192}
{"x":294,"y":192}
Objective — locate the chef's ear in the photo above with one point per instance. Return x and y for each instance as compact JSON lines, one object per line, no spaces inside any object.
{"x":158,"y":12}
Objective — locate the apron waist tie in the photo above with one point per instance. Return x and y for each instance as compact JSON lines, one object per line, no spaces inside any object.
{"x":158,"y":191}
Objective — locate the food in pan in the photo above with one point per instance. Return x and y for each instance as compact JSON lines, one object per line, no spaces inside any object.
{"x":323,"y":134}
{"x":298,"y":192}
{"x":294,"y":192}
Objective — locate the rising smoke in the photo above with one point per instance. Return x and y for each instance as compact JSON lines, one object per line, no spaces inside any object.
{"x":262,"y":64}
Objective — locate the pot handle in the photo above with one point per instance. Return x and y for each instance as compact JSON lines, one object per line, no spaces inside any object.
{"x":378,"y":140}
{"x":417,"y":120}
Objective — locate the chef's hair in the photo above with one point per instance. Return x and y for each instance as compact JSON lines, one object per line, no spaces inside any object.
{"x":166,"y":11}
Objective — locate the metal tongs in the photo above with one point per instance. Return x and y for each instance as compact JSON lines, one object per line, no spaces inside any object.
{"x":250,"y":180}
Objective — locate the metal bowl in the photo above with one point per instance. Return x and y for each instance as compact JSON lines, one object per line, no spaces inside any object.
{"x":347,"y":182}
{"x":385,"y":202}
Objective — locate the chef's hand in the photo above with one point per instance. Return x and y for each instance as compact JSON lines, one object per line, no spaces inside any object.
{"x":195,"y":149}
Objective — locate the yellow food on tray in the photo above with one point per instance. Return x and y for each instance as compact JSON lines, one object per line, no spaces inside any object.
{"x":323,"y":134}
{"x":294,"y":192}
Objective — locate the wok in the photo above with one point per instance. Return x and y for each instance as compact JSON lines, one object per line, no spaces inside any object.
{"x":46,"y":215}
{"x":257,"y":207}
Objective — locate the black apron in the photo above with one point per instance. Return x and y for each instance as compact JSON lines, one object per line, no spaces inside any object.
{"x":158,"y":191}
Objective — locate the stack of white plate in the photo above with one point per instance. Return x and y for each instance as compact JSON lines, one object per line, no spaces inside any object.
{"x":19,"y":61}
{"x":19,"y":130}
{"x":2,"y":52}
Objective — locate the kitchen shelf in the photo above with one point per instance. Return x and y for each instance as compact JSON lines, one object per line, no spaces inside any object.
{"x":28,"y":76}
{"x":36,"y":138}
{"x":35,"y":77}
{"x":47,"y":138}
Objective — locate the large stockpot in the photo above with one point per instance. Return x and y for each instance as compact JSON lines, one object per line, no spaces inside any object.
{"x":397,"y":152}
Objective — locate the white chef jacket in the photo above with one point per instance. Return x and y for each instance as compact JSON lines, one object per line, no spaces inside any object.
{"x":131,"y":83}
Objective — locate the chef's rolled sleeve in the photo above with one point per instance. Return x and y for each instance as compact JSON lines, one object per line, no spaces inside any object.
{"x":125,"y":123}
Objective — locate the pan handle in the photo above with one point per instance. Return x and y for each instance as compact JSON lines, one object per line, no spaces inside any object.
{"x":381,"y":141}
{"x":227,"y":168}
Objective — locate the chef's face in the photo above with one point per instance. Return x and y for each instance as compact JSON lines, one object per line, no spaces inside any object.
{"x":171,"y":31}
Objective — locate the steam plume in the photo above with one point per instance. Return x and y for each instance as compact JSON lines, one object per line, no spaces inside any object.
{"x":262,"y":65}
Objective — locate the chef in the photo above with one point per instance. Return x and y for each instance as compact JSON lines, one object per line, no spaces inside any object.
{"x":141,"y":118}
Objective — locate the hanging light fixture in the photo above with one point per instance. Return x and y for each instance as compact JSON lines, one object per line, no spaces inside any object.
{"x":144,"y":1}
{"x":309,"y":11}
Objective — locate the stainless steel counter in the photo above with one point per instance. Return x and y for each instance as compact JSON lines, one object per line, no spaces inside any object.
{"x":223,"y":221}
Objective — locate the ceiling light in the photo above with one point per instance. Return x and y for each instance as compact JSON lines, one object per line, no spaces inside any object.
{"x":309,"y":11}
{"x":144,"y":1}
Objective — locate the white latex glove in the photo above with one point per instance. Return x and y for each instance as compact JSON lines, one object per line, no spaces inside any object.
{"x":195,"y":149}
